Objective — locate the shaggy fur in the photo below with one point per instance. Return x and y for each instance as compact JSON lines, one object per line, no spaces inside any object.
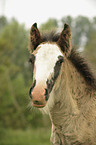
{"x":72,"y":101}
{"x":83,"y":68}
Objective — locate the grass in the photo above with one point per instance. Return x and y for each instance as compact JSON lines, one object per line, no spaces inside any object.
{"x":39,"y":136}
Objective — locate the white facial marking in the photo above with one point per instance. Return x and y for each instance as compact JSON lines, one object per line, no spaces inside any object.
{"x":46,"y":58}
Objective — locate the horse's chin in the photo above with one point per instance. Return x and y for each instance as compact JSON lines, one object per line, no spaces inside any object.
{"x":38,"y":106}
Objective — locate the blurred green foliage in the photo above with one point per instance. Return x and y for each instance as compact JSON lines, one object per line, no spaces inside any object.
{"x":15,"y":77}
{"x":50,"y":25}
{"x":26,"y":137}
{"x":15,"y":72}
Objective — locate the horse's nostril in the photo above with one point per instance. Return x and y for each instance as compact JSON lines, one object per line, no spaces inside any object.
{"x":33,"y":85}
{"x":46,"y":95}
{"x":30,"y":92}
{"x":46,"y":92}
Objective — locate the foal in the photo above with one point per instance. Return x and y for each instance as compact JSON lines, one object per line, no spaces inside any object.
{"x":64,"y":87}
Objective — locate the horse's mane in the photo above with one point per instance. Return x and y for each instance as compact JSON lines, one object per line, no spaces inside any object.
{"x":83,"y":68}
{"x":79,"y":62}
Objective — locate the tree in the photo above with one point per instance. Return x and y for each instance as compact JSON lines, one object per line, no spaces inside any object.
{"x":3,"y":22}
{"x":68,"y":20}
{"x":81,"y":29}
{"x":50,"y":25}
{"x":90,"y":48}
{"x":13,"y":54}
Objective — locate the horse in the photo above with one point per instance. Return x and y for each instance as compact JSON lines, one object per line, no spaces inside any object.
{"x":63,"y":86}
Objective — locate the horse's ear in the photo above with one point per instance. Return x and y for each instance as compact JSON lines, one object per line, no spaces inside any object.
{"x":35,"y":38}
{"x":64,"y":40}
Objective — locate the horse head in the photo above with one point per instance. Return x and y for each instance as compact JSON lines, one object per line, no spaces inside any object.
{"x":47,"y":59}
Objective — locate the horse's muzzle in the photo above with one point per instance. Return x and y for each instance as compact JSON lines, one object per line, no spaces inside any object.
{"x":39,"y":94}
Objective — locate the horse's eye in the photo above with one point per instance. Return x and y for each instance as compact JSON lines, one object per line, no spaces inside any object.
{"x":60,"y":59}
{"x":32,"y":59}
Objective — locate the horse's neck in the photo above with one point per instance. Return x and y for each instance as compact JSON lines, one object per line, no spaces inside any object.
{"x":71,"y":94}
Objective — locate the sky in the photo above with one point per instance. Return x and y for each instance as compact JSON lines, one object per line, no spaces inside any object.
{"x":31,"y":11}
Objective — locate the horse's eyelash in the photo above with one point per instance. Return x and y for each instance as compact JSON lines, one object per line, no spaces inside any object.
{"x":60,"y":59}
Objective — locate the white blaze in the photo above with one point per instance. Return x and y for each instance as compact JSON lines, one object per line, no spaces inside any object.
{"x":46,"y":58}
